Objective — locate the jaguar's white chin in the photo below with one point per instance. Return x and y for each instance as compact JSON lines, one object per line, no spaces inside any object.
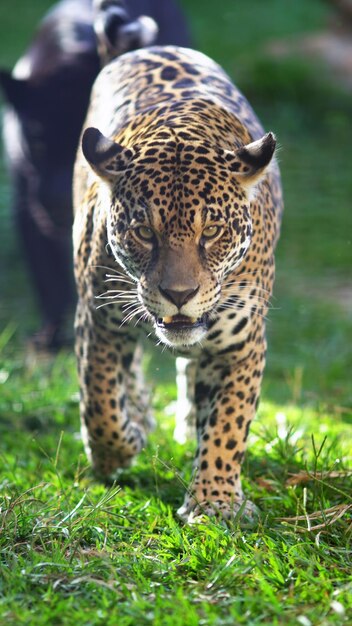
{"x":180,"y":330}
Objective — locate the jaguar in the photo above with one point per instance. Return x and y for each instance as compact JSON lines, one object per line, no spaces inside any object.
{"x":178,"y":205}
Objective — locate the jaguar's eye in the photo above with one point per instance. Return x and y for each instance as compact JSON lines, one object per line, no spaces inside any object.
{"x":210,"y":232}
{"x":144,"y":233}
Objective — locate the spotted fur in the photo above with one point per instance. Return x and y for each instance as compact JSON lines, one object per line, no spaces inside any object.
{"x":178,"y":205}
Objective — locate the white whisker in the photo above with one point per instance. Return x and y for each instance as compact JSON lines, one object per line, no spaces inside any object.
{"x":243,"y":284}
{"x":115,"y":295}
{"x":111,"y":279}
{"x":114,"y":301}
{"x":238,"y":310}
{"x":237,"y":298}
{"x":142,"y":318}
{"x":100,"y":306}
{"x":131,"y":315}
{"x":115,"y":274}
{"x":129,"y":305}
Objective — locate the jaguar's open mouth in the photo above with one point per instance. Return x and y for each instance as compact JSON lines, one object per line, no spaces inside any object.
{"x":180,"y":322}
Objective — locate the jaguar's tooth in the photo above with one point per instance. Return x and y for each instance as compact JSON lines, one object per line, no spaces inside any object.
{"x":167,"y":320}
{"x":193,"y":320}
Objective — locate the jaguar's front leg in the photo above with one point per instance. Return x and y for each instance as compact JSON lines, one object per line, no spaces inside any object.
{"x":226,"y":395}
{"x":112,"y":436}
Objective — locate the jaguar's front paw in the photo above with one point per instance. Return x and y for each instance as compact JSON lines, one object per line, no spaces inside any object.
{"x":240,"y":511}
{"x":105,"y":462}
{"x":116,"y":451}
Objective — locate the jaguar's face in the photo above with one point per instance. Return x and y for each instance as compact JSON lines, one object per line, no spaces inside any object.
{"x":179,"y":280}
{"x":179,"y":222}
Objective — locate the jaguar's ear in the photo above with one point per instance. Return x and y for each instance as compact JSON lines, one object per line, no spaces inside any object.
{"x":251,"y":161}
{"x":107,"y":158}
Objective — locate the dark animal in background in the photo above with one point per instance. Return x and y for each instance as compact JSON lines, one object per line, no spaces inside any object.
{"x":47,"y":96}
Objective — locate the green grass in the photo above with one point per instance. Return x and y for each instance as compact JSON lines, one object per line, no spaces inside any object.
{"x":75,"y":552}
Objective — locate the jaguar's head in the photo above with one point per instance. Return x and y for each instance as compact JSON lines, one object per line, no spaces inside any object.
{"x":178,"y":221}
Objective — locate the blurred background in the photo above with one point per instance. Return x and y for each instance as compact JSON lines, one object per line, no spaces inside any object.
{"x":293,"y":61}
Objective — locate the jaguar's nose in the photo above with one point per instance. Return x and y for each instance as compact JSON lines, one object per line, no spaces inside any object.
{"x":178,"y":297}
